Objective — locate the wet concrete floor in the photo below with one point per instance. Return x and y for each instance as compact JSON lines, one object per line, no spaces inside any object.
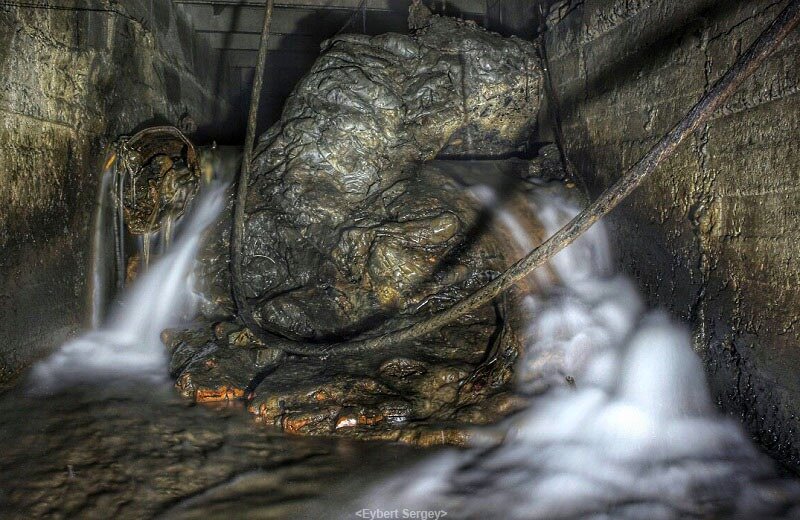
{"x":140,"y":451}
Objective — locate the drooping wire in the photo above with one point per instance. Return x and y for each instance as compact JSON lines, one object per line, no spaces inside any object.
{"x":46,"y":5}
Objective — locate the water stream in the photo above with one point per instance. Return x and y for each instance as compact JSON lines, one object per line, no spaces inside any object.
{"x":104,"y":261}
{"x":620,"y":423}
{"x":127,"y":344}
{"x":99,"y":430}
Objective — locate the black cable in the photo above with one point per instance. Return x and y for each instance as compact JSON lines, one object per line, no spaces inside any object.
{"x":48,"y":6}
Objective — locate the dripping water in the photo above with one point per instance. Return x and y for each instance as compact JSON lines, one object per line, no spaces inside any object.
{"x":109,"y":264}
{"x":102,"y":265}
{"x":120,"y":172}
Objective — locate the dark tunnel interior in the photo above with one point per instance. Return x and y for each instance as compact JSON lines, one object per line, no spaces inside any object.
{"x":303,"y":332}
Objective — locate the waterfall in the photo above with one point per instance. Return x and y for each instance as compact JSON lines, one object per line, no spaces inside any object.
{"x":127,"y":345}
{"x":103,"y":221}
{"x":620,"y":422}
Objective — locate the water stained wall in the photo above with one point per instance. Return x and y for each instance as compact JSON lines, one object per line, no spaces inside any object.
{"x":71,"y":80}
{"x":713,"y":235}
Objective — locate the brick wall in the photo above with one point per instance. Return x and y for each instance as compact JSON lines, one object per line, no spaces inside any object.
{"x":513,"y":17}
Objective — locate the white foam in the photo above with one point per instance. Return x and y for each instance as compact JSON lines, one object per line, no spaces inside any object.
{"x":635,"y":435}
{"x":128,"y":344}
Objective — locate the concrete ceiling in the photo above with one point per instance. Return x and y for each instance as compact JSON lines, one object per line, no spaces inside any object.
{"x":233,"y":27}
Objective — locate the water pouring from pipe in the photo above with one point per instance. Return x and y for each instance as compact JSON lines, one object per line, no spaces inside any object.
{"x":166,"y":211}
{"x":128,"y":345}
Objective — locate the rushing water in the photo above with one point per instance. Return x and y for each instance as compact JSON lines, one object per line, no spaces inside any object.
{"x":128,"y":344}
{"x":620,"y":425}
{"x":100,"y":432}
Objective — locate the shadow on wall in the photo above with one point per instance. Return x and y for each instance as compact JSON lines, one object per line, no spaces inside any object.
{"x":288,"y":64}
{"x":516,"y":17}
{"x":694,"y":241}
{"x":650,"y":50}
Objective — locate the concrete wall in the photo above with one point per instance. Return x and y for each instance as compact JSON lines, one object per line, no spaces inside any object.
{"x":514,"y":17}
{"x":715,"y":234}
{"x":298,"y":29}
{"x":70,"y":82}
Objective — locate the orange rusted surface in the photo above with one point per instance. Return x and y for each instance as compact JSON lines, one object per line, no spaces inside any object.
{"x":295,"y":424}
{"x":366,"y":420}
{"x":223,"y":393}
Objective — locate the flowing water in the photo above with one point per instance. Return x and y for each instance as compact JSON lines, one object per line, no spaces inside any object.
{"x":128,"y":345}
{"x":620,"y":424}
{"x":102,"y":261}
{"x":99,"y":431}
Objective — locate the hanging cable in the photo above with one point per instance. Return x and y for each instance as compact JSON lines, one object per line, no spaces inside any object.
{"x":237,"y":233}
{"x":745,"y":66}
{"x":359,"y":9}
{"x":46,"y":5}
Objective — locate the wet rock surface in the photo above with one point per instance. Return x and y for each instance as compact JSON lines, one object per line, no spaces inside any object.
{"x":352,"y":231}
{"x":431,"y":391}
{"x":342,"y":229}
{"x":426,"y":394}
{"x":163,"y":173}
